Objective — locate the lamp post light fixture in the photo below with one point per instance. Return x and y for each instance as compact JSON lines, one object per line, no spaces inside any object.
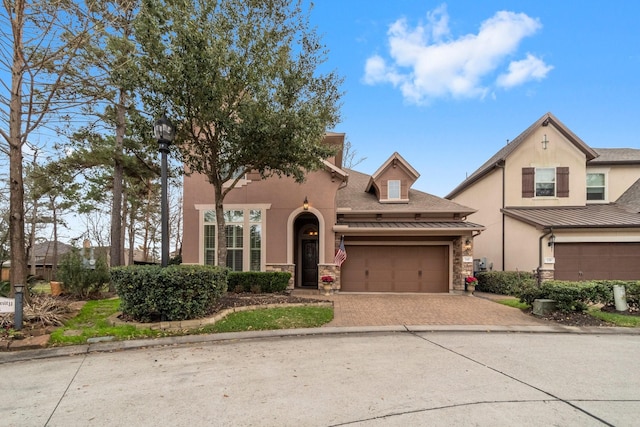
{"x":164,"y":133}
{"x":305,"y":204}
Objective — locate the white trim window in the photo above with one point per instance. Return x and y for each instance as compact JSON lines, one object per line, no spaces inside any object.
{"x":596,"y":187}
{"x":545,"y":182}
{"x":393,"y":189}
{"x":244,"y":249}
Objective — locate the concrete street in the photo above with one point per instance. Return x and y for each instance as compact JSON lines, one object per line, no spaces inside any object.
{"x":421,"y":376}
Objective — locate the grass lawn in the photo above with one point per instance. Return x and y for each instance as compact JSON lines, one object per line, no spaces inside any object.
{"x":92,"y":322}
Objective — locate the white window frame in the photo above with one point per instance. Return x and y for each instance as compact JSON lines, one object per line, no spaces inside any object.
{"x":605,"y":173}
{"x":397,"y":186}
{"x":246,"y":235}
{"x":554,"y":181}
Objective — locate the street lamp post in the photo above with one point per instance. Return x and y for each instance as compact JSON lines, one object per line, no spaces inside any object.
{"x":164,"y":133}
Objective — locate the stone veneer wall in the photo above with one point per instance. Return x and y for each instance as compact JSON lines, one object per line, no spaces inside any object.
{"x":290,"y":268}
{"x":461,"y":269}
{"x":329,"y":270}
{"x":545,"y":274}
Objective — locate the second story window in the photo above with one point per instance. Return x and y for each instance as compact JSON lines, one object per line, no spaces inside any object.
{"x":545,"y":182}
{"x":394,"y":189}
{"x":595,"y":186}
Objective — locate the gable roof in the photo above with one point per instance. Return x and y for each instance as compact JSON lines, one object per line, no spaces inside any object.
{"x":354,"y":198}
{"x":589,"y":216}
{"x":392,"y":160}
{"x":630,"y":199}
{"x":498,"y":159}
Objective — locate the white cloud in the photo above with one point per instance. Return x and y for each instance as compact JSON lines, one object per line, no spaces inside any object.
{"x":520,"y":72}
{"x":426,"y":63}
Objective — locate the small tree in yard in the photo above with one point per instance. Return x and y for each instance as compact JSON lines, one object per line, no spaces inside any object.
{"x":240,"y":78}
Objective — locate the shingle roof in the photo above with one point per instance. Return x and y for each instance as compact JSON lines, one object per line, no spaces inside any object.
{"x":353,"y":198}
{"x":608,"y":156}
{"x":630,"y":199}
{"x":500,"y":157}
{"x":589,"y":216}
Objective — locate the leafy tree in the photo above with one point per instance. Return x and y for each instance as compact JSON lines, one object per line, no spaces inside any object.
{"x":242,"y":80}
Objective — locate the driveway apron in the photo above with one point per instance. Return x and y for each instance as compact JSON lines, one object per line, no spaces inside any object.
{"x":352,"y":309}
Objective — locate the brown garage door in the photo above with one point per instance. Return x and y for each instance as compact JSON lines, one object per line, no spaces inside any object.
{"x":593,"y":261}
{"x":396,"y":269}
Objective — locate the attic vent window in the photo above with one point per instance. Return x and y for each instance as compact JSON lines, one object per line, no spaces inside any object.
{"x":394,"y":189}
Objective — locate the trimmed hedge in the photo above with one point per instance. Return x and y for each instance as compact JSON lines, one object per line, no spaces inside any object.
{"x":504,"y":282}
{"x":576,"y":296}
{"x":258,"y":281}
{"x":176,"y":292}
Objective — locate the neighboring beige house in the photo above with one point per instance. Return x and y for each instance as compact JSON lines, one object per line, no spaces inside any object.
{"x":397,"y":239}
{"x":551,"y":202}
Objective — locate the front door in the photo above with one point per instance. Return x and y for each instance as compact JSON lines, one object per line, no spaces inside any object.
{"x":310,"y":263}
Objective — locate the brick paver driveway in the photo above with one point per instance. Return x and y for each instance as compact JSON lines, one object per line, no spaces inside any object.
{"x":423,"y":309}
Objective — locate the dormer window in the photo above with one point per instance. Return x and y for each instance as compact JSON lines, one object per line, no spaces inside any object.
{"x":393,"y":186}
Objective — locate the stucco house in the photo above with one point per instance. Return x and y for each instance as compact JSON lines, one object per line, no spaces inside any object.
{"x":553,"y":204}
{"x":397,"y":239}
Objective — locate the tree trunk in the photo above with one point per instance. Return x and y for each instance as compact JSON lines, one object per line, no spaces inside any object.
{"x":16,"y":191}
{"x":116,"y":207}
{"x":221,"y":228}
{"x":54,"y":260}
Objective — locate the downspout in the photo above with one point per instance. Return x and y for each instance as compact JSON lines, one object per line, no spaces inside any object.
{"x":550,"y":231}
{"x":501,"y":164}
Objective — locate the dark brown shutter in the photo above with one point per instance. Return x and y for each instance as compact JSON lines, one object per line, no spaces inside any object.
{"x":562,"y":176}
{"x":528,"y":183}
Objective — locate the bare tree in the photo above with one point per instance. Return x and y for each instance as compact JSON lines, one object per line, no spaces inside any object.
{"x":349,"y":156}
{"x":39,"y":51}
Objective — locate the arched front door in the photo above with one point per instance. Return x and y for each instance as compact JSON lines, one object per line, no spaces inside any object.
{"x":307,"y":246}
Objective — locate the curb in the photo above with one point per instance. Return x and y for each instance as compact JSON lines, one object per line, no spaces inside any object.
{"x":112,"y":346}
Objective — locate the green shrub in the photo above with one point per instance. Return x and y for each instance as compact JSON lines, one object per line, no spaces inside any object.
{"x":79,"y":280}
{"x":5,"y":288}
{"x":576,"y":296}
{"x":176,"y":292}
{"x":258,"y":281}
{"x":504,"y":282}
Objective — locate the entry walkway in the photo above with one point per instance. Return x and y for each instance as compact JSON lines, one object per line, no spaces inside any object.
{"x":384,"y":309}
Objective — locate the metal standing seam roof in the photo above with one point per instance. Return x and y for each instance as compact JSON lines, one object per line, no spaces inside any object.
{"x":410,"y":225}
{"x":589,"y":216}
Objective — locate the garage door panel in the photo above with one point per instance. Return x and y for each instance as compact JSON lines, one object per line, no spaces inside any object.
{"x":597,"y":261}
{"x":396,"y":269}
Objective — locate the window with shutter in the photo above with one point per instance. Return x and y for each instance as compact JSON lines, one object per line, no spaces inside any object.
{"x":545,"y":182}
{"x":528,"y":183}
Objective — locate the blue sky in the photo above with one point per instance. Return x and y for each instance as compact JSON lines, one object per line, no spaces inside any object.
{"x":446,"y":84}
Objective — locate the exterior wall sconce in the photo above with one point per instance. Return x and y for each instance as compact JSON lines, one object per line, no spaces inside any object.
{"x":552,"y":241}
{"x":305,"y":204}
{"x":544,"y":141}
{"x":467,"y":244}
